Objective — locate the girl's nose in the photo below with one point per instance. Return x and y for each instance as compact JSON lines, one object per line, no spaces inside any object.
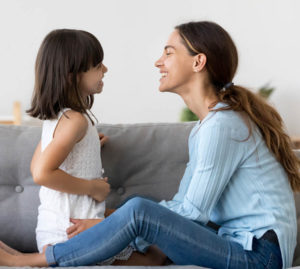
{"x":104,"y":68}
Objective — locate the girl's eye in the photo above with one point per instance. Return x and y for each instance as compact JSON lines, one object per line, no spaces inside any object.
{"x":168,"y":53}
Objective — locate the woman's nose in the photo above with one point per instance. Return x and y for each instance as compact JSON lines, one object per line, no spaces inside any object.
{"x":158,"y":63}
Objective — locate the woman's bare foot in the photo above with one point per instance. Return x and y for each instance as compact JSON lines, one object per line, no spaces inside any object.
{"x":9,"y":249}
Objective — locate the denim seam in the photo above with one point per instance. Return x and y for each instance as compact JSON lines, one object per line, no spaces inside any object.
{"x":270,"y":261}
{"x":185,"y":238}
{"x":204,"y":247}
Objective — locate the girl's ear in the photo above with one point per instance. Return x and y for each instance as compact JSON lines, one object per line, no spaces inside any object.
{"x":199,"y":62}
{"x":70,"y":78}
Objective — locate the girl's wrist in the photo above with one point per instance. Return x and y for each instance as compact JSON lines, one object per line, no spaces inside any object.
{"x":90,"y":187}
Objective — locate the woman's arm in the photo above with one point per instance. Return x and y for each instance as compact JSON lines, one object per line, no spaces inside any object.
{"x":45,"y":165}
{"x":217,"y":154}
{"x":80,"y":225}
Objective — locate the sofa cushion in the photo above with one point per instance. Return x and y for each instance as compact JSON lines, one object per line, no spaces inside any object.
{"x":18,"y":193}
{"x":145,"y":159}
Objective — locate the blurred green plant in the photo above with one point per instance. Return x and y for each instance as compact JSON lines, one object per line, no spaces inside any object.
{"x":187,"y":115}
{"x":266,"y":91}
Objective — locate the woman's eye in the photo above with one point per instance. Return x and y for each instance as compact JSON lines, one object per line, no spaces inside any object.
{"x":168,"y":53}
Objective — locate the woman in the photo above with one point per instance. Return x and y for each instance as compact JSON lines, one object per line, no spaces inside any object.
{"x":240,"y":175}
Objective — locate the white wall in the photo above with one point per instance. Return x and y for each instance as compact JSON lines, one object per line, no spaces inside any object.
{"x":133,"y":33}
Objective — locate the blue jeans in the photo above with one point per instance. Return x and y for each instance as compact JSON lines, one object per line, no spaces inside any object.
{"x":183,"y":241}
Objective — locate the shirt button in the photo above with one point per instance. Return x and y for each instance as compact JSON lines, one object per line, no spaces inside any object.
{"x":120,"y":190}
{"x":19,"y":188}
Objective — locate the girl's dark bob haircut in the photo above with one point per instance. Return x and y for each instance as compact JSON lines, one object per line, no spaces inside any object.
{"x":63,"y":55}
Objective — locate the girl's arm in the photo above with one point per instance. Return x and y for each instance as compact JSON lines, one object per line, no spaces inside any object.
{"x":45,"y":165}
{"x":35,"y":157}
{"x":103,"y":139}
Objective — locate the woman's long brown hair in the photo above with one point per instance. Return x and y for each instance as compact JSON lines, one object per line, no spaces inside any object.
{"x":222,"y":60}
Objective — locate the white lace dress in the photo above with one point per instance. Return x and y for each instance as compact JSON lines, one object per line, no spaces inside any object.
{"x":56,"y":208}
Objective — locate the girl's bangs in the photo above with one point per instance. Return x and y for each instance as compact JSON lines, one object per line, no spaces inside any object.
{"x":95,"y":53}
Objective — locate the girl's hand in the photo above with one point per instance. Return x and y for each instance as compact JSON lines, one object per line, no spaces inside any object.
{"x":99,"y":189}
{"x":81,"y":225}
{"x":103,"y":139}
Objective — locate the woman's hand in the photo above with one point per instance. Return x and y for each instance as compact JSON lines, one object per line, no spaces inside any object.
{"x":81,"y":225}
{"x":99,"y":189}
{"x":103,"y":139}
{"x":109,"y":211}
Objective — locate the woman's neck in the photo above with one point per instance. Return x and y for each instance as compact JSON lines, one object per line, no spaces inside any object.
{"x":199,"y":100}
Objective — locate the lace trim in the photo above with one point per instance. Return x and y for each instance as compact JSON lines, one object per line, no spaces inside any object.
{"x":124,"y":255}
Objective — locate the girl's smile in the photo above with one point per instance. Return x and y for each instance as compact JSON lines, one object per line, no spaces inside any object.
{"x":91,"y":81}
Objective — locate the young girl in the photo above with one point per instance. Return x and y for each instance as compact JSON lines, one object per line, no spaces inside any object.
{"x":68,"y":72}
{"x":241,"y":174}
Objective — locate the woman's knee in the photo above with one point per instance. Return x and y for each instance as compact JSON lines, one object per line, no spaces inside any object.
{"x":139,"y":203}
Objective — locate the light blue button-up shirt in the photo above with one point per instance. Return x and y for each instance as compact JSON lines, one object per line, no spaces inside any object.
{"x":237,"y":183}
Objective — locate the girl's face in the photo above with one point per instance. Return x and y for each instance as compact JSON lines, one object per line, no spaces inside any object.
{"x":90,"y":82}
{"x":175,"y":65}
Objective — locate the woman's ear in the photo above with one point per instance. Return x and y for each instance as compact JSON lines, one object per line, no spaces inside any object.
{"x":199,"y":62}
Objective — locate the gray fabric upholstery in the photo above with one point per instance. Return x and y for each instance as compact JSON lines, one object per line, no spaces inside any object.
{"x":144,"y":159}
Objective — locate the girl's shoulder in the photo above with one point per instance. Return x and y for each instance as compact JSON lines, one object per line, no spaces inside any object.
{"x":72,"y":121}
{"x":74,"y":117}
{"x":68,"y":112}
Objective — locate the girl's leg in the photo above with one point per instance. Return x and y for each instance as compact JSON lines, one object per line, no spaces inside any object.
{"x":9,"y":249}
{"x":35,"y":259}
{"x":153,"y":257}
{"x":182,"y":240}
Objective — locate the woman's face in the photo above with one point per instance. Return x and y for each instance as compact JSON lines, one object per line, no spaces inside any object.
{"x":175,"y":65}
{"x":90,"y":82}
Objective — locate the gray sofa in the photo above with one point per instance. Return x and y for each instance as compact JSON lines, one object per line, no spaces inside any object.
{"x":144,"y":159}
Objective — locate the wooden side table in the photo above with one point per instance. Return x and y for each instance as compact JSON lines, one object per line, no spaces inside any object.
{"x":296,"y":142}
{"x":17,"y":115}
